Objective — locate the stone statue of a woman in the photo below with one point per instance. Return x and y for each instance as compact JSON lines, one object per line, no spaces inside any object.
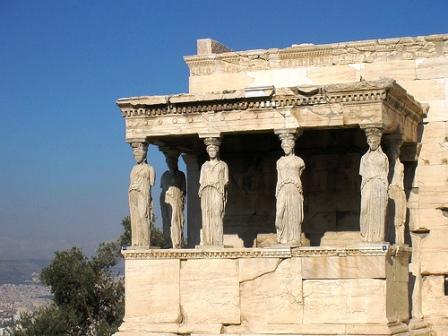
{"x":172,"y":200}
{"x":289,"y":194}
{"x":398,"y":196}
{"x":140,"y":201}
{"x":212,"y":191}
{"x":373,"y":169}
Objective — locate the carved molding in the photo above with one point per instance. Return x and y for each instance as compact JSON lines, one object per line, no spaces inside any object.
{"x":385,"y":90}
{"x":233,"y":253}
{"x":405,"y":48}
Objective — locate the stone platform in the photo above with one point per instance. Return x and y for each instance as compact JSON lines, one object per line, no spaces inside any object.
{"x":359,"y":290}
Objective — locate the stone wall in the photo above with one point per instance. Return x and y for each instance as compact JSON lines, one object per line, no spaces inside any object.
{"x":306,"y":291}
{"x":420,"y":65}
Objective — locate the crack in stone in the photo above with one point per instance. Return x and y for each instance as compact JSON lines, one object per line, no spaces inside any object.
{"x":264,"y":273}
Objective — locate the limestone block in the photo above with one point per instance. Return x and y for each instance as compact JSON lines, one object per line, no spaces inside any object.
{"x":218,"y":82}
{"x":433,"y":196}
{"x":348,"y":267}
{"x":435,"y":261}
{"x":340,"y":238}
{"x":432,"y":175}
{"x":438,"y":111}
{"x":397,"y":268}
{"x":433,"y":218}
{"x":434,"y":301}
{"x":252,"y":268}
{"x":397,"y":306}
{"x":434,"y":151}
{"x":233,"y":240}
{"x":398,"y":70}
{"x":265,"y":240}
{"x":273,"y":296}
{"x":431,"y":68}
{"x":425,"y":90}
{"x":434,"y":132}
{"x":344,"y":301}
{"x":209,"y":291}
{"x":280,"y":77}
{"x":333,"y":74}
{"x":152,"y":290}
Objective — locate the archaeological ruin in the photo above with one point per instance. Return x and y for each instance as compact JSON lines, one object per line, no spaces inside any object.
{"x":315,"y":196}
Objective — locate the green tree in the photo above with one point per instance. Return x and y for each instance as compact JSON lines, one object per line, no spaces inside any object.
{"x":88,"y":299}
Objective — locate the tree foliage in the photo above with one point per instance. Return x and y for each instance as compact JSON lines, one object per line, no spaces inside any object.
{"x":88,"y":299}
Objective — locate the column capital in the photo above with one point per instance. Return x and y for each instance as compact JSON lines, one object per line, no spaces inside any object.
{"x":367,"y":126}
{"x":210,"y":135}
{"x":288,"y":132}
{"x":169,"y":152}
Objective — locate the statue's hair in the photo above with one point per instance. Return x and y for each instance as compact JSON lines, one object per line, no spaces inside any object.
{"x":287,"y":137}
{"x":374,"y":131}
{"x":141,"y":145}
{"x":212,"y":142}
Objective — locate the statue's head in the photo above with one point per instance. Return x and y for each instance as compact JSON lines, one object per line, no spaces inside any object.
{"x":171,"y":162}
{"x":373,"y":138}
{"x":288,"y":143}
{"x":139,"y":149}
{"x":212,"y":147}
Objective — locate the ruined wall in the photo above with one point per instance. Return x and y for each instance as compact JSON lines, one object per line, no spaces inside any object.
{"x":420,"y":65}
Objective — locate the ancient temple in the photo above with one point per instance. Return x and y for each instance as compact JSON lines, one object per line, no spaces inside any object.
{"x":344,"y":127}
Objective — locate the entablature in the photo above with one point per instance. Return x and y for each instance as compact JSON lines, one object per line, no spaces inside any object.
{"x":383,"y":102}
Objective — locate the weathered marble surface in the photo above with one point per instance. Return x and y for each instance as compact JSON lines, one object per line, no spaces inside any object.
{"x":172,"y":201}
{"x":140,"y":201}
{"x":289,"y":193}
{"x":266,"y":290}
{"x":374,"y":168}
{"x":213,"y":182}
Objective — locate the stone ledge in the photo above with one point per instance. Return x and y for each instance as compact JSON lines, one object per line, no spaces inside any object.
{"x":280,"y":252}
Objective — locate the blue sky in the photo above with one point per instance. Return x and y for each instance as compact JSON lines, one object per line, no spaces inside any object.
{"x":64,"y":164}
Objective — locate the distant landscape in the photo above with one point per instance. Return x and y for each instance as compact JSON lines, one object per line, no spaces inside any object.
{"x":20,"y":289}
{"x":20,"y":271}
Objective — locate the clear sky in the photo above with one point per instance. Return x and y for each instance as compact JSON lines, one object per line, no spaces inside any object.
{"x":64,"y":165}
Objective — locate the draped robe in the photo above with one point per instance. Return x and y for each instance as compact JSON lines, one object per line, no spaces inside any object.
{"x":212,"y":191}
{"x":289,"y":194}
{"x":140,"y":203}
{"x":373,"y":169}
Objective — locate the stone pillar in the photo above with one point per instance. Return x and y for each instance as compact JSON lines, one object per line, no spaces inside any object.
{"x":397,"y":205}
{"x":142,"y":179}
{"x":374,"y":169}
{"x":288,"y":191}
{"x":213,"y":181}
{"x":193,"y":203}
{"x":417,"y":321}
{"x":172,"y":199}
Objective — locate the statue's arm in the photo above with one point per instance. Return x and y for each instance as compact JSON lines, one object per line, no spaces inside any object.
{"x":183,"y":183}
{"x":152,"y":176}
{"x":226,"y":174}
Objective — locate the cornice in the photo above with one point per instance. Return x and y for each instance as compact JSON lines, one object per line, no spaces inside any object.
{"x":367,"y":51}
{"x":384,"y":90}
{"x":281,"y":252}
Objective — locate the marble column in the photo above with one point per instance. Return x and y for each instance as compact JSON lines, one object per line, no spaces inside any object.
{"x":142,"y":179}
{"x":213,"y":181}
{"x":417,"y":320}
{"x":288,"y":191}
{"x":172,"y":199}
{"x":397,"y":207}
{"x":374,"y":169}
{"x":193,"y":202}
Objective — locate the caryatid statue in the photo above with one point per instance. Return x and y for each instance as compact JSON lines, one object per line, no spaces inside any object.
{"x":213,"y":181}
{"x":289,"y":193}
{"x":373,"y":169}
{"x":396,"y":192}
{"x":172,"y":200}
{"x":140,"y":201}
